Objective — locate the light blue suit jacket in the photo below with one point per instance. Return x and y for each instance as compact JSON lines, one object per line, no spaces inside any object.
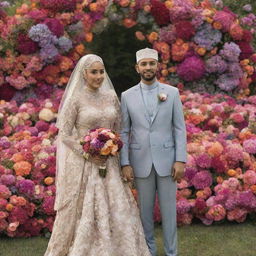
{"x":160,"y":142}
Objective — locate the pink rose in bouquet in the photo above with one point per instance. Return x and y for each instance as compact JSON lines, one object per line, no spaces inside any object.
{"x":101,"y":142}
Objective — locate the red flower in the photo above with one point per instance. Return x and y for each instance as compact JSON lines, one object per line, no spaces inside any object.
{"x":160,"y":12}
{"x":26,"y":45}
{"x":184,"y":29}
{"x":6,"y":92}
{"x":247,"y":36}
{"x":246,"y":50}
{"x":55,"y":26}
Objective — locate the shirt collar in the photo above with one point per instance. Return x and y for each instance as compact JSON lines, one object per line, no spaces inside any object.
{"x":149,"y":87}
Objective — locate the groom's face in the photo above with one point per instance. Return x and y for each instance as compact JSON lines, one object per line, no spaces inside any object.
{"x":147,"y":69}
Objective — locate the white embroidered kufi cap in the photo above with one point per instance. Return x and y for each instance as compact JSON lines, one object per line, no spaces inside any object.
{"x":146,"y":53}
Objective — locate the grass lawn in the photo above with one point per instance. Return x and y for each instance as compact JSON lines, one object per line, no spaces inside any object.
{"x":195,"y":240}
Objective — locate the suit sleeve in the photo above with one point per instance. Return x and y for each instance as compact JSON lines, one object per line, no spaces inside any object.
{"x":125,"y":132}
{"x":179,"y":130}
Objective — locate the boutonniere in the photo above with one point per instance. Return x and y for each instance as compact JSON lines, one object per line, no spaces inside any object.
{"x":162,"y":97}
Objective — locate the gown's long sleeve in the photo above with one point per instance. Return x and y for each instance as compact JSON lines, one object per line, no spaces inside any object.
{"x":66,"y":132}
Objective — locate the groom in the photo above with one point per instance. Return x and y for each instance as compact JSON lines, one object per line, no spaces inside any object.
{"x":154,"y":150}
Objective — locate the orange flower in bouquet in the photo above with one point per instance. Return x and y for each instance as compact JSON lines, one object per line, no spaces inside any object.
{"x":101,"y":142}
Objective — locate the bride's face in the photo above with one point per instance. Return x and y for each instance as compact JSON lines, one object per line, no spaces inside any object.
{"x":94,"y":75}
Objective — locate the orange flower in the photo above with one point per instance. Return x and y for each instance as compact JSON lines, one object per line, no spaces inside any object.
{"x":93,"y":7}
{"x":253,"y":189}
{"x":209,"y":20}
{"x":49,"y":180}
{"x":139,"y":35}
{"x":172,"y":69}
{"x":9,"y":207}
{"x":80,"y":49}
{"x":164,"y":72}
{"x":169,"y":4}
{"x":17,"y":157}
{"x":220,"y":180}
{"x":18,"y":200}
{"x":65,"y":63}
{"x":201,"y":51}
{"x":216,"y":149}
{"x":128,"y":23}
{"x":88,"y":37}
{"x":179,"y":50}
{"x":245,"y":62}
{"x":105,"y":151}
{"x":22,"y":168}
{"x":231,"y":172}
{"x":217,"y":25}
{"x":153,"y":36}
{"x":195,"y":118}
{"x":200,"y":194}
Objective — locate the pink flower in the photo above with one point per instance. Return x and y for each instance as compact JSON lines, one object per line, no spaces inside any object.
{"x":48,"y":205}
{"x":183,"y":206}
{"x":3,"y":203}
{"x":7,"y":179}
{"x":231,"y":183}
{"x":225,"y":18}
{"x":216,"y":212}
{"x":4,"y":192}
{"x":238,"y":214}
{"x":249,"y":177}
{"x":18,"y":214}
{"x":204,"y":160}
{"x":184,"y":219}
{"x":202,"y":180}
{"x":250,"y":146}
{"x":191,"y":69}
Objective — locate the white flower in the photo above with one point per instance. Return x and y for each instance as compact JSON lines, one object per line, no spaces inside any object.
{"x":162,"y":97}
{"x":46,"y":115}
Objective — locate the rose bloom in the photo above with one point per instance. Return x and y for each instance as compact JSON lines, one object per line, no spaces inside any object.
{"x":216,"y":212}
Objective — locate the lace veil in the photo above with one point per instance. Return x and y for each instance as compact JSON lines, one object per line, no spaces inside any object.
{"x":75,"y":85}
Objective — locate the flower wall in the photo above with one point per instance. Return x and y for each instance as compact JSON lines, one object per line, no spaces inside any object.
{"x":204,"y":48}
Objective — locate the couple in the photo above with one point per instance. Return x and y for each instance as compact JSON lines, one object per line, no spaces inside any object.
{"x":98,"y":216}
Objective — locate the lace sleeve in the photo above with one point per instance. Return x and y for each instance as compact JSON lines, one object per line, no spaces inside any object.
{"x":67,"y":127}
{"x":117,"y":124}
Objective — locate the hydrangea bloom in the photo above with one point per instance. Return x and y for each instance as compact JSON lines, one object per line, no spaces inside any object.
{"x":216,"y":65}
{"x":230,"y":52}
{"x":202,"y":180}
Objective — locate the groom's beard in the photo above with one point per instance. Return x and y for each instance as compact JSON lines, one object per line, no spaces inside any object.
{"x":148,"y":77}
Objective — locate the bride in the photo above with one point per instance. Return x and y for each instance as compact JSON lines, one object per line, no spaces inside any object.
{"x":95,"y":215}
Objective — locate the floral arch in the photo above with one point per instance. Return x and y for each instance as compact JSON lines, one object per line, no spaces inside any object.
{"x":204,"y":48}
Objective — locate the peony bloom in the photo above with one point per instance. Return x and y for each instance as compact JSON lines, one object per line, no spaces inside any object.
{"x":183,"y":206}
{"x":216,"y":212}
{"x":26,"y":187}
{"x":22,"y":168}
{"x":4,"y":192}
{"x":238,"y":214}
{"x":204,"y":160}
{"x":202,"y":180}
{"x":225,"y":18}
{"x":250,"y":146}
{"x":249,"y":177}
{"x":184,"y":29}
{"x":160,"y":12}
{"x":192,"y":68}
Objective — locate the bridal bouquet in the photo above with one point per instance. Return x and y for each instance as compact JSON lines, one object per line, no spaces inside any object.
{"x":101,"y":142}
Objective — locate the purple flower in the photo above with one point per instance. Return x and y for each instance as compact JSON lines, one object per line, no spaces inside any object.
{"x":250,"y":146}
{"x":247,"y":199}
{"x":7,"y":179}
{"x":202,"y":180}
{"x":168,"y":34}
{"x":192,"y":68}
{"x":247,"y":8}
{"x":227,"y":82}
{"x":42,"y":126}
{"x":190,"y":172}
{"x":230,"y":52}
{"x":97,"y":144}
{"x":65,"y":44}
{"x":4,"y":142}
{"x":33,"y":131}
{"x":49,"y":53}
{"x":40,"y":33}
{"x":183,"y":206}
{"x":207,"y":36}
{"x":26,"y":187}
{"x":216,"y":65}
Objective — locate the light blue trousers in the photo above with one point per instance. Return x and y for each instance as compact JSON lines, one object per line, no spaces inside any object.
{"x":166,"y":190}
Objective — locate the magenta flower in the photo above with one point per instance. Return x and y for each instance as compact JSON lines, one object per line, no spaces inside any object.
{"x":191,"y":69}
{"x":26,"y":187}
{"x":48,"y":205}
{"x":18,"y":214}
{"x":7,"y":179}
{"x":202,"y":180}
{"x":4,"y":192}
{"x":183,"y":206}
{"x":249,"y":177}
{"x":204,"y":161}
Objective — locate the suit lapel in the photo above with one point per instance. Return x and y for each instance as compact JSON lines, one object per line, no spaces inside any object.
{"x":159,"y":103}
{"x":141,"y":102}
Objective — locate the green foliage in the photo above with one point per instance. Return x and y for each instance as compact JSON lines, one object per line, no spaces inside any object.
{"x":117,"y":46}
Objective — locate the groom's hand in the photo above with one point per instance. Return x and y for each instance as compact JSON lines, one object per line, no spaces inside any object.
{"x":178,"y":170}
{"x":127,"y":173}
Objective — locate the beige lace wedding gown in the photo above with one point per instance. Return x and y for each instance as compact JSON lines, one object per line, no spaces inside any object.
{"x":95,"y":216}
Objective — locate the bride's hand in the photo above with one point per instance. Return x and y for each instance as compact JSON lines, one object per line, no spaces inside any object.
{"x":98,"y":160}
